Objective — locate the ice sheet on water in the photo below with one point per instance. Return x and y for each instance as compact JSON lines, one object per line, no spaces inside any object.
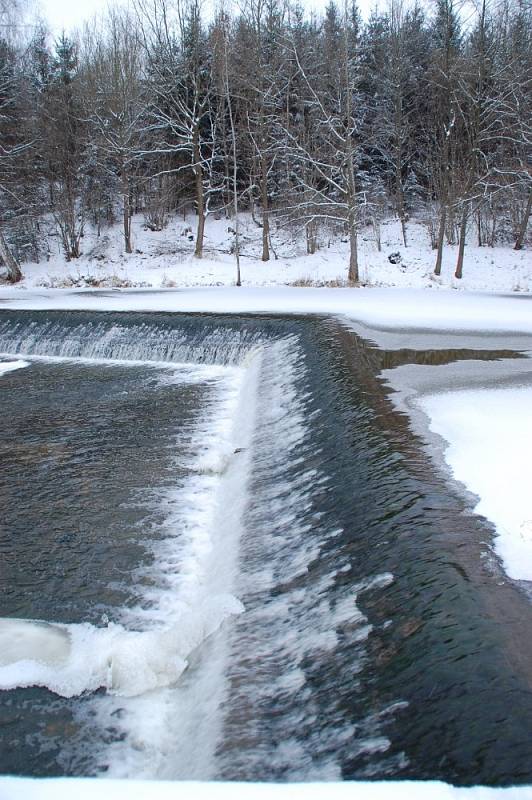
{"x":85,"y":789}
{"x":489,"y":439}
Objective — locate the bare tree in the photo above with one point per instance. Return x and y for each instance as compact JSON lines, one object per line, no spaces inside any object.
{"x":63,"y":144}
{"x":10,"y":147}
{"x":338,"y":116}
{"x":261,"y":83}
{"x":112,"y":82}
{"x":221,"y":51}
{"x":180,"y":113}
{"x":442,"y":126}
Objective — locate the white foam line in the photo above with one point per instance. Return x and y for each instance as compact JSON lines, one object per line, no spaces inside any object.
{"x":10,"y":366}
{"x":84,"y":789}
{"x":214,"y":369}
{"x":174,"y":732}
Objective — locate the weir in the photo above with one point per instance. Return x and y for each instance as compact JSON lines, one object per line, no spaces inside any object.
{"x":127,"y":337}
{"x":206,"y":461}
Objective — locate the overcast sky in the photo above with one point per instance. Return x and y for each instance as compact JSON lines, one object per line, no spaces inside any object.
{"x":68,"y":14}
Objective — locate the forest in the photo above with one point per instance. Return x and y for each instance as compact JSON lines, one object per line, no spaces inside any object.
{"x":301,"y":120}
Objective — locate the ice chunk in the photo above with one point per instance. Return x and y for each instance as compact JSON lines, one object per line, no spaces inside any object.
{"x":72,"y":659}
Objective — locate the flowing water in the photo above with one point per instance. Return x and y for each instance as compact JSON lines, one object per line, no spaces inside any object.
{"x":252,"y":570}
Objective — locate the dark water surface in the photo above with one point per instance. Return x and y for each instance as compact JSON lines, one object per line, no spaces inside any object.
{"x":377,"y":641}
{"x":80,"y":446}
{"x":85,"y":450}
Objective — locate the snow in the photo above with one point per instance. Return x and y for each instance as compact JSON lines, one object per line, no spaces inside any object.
{"x":476,"y":418}
{"x":86,"y":789}
{"x":165,"y":259}
{"x":489,"y":436}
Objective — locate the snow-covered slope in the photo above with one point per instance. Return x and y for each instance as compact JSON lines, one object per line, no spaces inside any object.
{"x":165,"y":259}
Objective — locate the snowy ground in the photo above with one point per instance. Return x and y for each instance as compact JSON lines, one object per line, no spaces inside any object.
{"x":64,"y":788}
{"x":165,"y":259}
{"x":488,"y":430}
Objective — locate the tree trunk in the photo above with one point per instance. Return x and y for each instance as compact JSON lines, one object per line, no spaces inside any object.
{"x":226,"y":191}
{"x":310,"y":230}
{"x":127,"y":225}
{"x":235,"y":176}
{"x":403,"y":228}
{"x":14,"y":273}
{"x":524,"y":222}
{"x":198,"y":251}
{"x":352,"y":275}
{"x":441,"y":237}
{"x":461,"y":246}
{"x":237,"y":227}
{"x":377,"y":233}
{"x":351,"y":193}
{"x":126,"y":211}
{"x":265,"y":211}
{"x":400,"y":196}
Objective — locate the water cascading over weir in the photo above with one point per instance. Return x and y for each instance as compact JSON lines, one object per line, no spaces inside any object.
{"x":227,"y":558}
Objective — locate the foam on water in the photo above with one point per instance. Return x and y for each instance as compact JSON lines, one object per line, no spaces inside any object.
{"x":182,"y":609}
{"x":186,"y":593}
{"x":169,"y":372}
{"x":173,"y":732}
{"x":292,"y":623}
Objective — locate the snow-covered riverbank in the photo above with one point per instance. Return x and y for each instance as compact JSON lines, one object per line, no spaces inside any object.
{"x":489,"y":436}
{"x":165,"y":259}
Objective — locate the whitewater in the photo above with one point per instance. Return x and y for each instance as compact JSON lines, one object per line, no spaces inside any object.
{"x":254,"y":423}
